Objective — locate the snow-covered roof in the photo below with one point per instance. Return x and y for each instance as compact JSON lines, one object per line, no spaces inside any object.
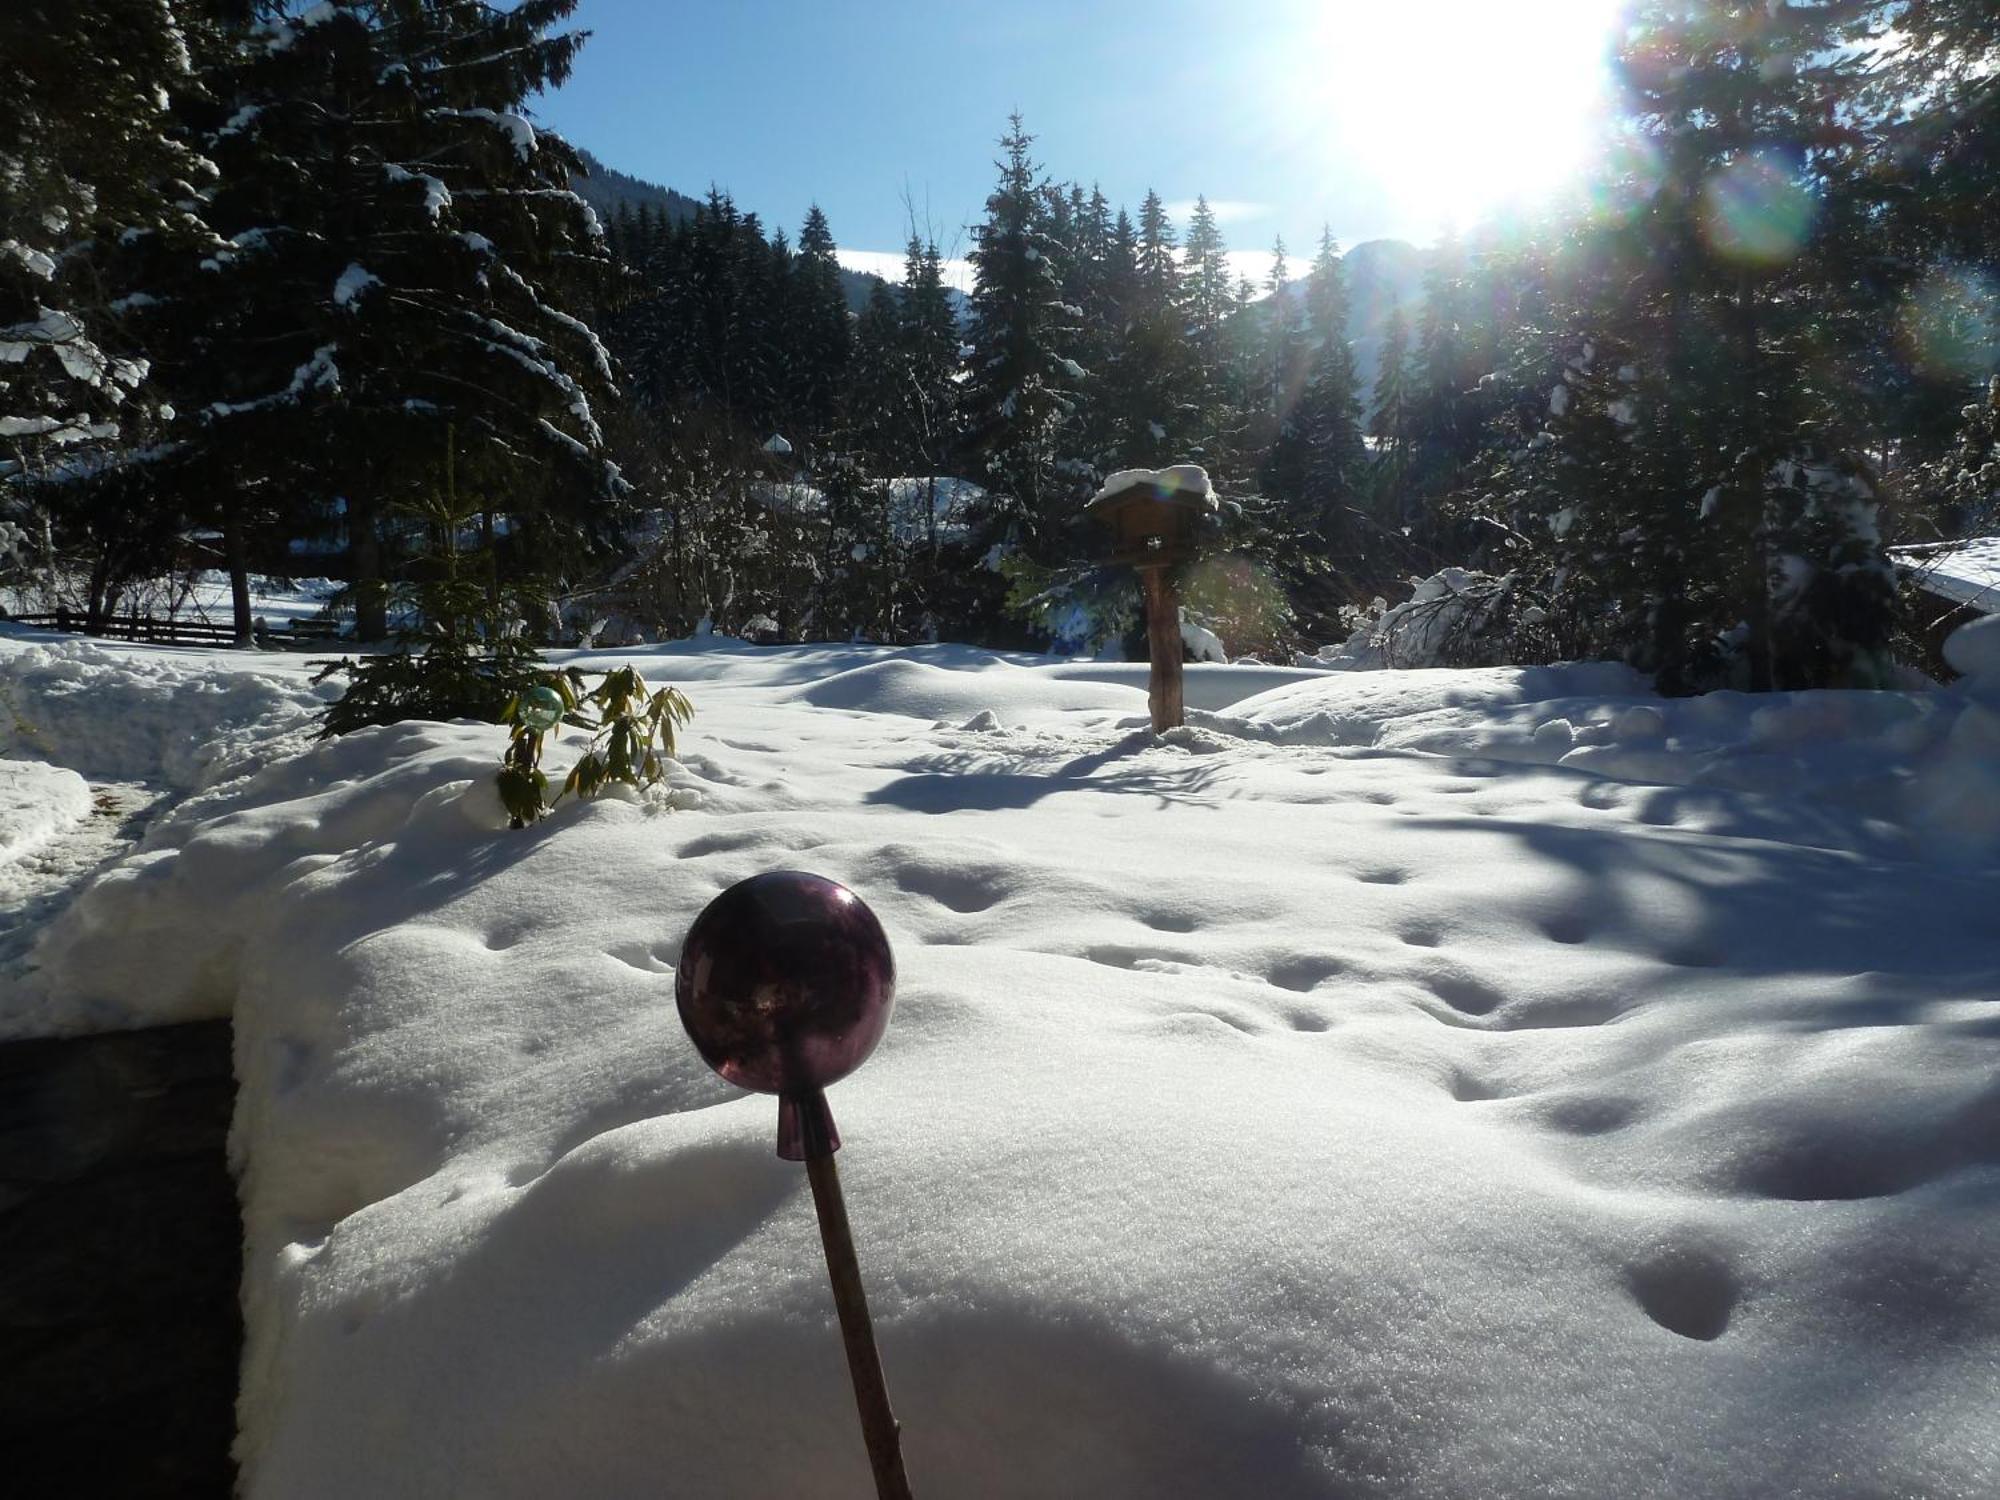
{"x":1185,"y":483}
{"x":1967,"y":571}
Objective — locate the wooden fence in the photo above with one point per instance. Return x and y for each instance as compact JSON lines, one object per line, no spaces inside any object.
{"x":299,"y":636}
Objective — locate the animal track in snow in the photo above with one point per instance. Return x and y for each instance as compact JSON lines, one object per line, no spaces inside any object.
{"x":962,"y":891}
{"x":1382,"y":876}
{"x":1469,"y":1088}
{"x":1303,"y":972}
{"x":1561,"y":1015}
{"x":1565,"y":927}
{"x":1687,"y":1289}
{"x":1589,"y":1114}
{"x":647,"y":958}
{"x":1119,"y":956}
{"x":719,"y":843}
{"x":1600,"y":796}
{"x":747,"y":838}
{"x":1696,"y":955}
{"x":1463,"y":993}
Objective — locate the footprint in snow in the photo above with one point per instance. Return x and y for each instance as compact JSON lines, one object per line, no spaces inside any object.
{"x":1688,"y":1289}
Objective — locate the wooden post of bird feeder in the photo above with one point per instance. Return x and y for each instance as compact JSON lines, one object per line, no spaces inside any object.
{"x":1164,"y":694}
{"x":1158,"y":518}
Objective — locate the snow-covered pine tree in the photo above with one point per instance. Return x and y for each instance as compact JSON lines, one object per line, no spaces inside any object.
{"x":1329,"y":409}
{"x":395,"y":252}
{"x":879,"y":371}
{"x":930,"y":391}
{"x":1730,"y":306}
{"x":88,"y":158}
{"x":1316,"y":465}
{"x":1959,"y":494}
{"x":1444,"y":420}
{"x":818,"y":334}
{"x":1149,"y":411}
{"x":1021,"y":390}
{"x":1938,"y":92}
{"x":1211,"y":303}
{"x":1390,"y":419}
{"x":1274,"y":430}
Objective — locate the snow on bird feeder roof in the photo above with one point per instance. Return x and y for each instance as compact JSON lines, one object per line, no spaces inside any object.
{"x":1181,"y":484}
{"x":1158,"y":515}
{"x":777,"y":444}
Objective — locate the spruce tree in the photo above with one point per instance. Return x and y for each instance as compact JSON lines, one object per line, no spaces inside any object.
{"x":90,"y":165}
{"x":1021,"y":390}
{"x":931,"y":343}
{"x":1329,"y":410}
{"x":1390,"y":421}
{"x":818,"y":334}
{"x":1211,"y":300}
{"x":1729,"y":312}
{"x":1151,"y":415}
{"x":395,"y":250}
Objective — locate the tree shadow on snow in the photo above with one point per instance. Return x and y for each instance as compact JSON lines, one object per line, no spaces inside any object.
{"x":977,"y":781}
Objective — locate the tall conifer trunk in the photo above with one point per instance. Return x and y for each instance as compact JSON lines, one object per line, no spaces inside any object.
{"x":235,"y":554}
{"x":364,"y":569}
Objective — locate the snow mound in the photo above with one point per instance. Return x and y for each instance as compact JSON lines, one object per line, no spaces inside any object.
{"x":183,"y":719}
{"x":1974,"y":651}
{"x":920,"y":691}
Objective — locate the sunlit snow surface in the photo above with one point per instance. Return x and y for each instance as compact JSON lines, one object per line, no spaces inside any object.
{"x":1419,"y":1084}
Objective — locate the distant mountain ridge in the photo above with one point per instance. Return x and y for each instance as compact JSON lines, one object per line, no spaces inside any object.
{"x":1381,"y":276}
{"x":607,"y":188}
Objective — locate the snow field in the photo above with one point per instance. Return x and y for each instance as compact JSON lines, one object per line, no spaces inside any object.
{"x":1360,"y":1092}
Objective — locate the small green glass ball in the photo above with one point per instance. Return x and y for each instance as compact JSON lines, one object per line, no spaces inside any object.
{"x":540,"y":708}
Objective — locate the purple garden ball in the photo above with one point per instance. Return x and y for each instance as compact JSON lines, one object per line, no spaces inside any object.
{"x":785,"y":985}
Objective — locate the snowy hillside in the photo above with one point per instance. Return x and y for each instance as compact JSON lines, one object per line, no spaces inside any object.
{"x":1427,"y":1084}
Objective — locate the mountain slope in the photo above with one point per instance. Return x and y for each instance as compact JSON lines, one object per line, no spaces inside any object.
{"x":606,"y":189}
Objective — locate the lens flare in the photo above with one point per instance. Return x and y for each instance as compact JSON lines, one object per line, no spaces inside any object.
{"x":1756,"y":213}
{"x":1950,"y":324}
{"x":1629,"y":177}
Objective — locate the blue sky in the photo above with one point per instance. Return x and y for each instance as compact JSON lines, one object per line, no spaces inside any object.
{"x":1379,"y":119}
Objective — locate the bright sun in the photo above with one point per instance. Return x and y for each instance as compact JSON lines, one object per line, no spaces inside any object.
{"x":1451,"y":108}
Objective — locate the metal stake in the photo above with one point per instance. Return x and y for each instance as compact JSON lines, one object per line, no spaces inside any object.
{"x":879,"y":1428}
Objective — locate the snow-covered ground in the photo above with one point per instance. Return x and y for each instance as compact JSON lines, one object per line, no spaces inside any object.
{"x":1394,"y":1083}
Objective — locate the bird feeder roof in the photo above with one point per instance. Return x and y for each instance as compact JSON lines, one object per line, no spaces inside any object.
{"x":1184,"y":486}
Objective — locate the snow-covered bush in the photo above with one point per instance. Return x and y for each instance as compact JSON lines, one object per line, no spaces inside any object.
{"x":1456,"y":618}
{"x":1080,"y":609}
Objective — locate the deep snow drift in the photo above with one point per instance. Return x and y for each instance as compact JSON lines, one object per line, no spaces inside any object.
{"x":1417,"y":1084}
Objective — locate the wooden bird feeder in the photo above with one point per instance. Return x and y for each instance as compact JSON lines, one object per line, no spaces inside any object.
{"x":1159,"y":519}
